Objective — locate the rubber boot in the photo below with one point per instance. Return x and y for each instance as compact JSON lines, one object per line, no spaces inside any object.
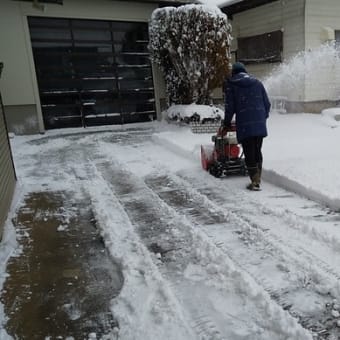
{"x":259,"y":170}
{"x":255,"y":178}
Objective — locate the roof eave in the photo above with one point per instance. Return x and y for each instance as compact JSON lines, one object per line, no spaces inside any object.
{"x":241,"y":6}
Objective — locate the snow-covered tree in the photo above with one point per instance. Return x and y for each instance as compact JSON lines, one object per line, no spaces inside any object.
{"x":191,"y":45}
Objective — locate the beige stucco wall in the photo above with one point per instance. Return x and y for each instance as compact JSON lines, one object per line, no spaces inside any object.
{"x":18,"y":83}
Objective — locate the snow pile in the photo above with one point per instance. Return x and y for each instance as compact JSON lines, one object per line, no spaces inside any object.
{"x":332,"y":116}
{"x":193,"y":113}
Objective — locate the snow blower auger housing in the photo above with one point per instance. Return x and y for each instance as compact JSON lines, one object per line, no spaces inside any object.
{"x":224,"y":157}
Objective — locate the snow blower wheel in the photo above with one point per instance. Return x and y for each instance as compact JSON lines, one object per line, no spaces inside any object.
{"x":224,"y":157}
{"x":216,"y":170}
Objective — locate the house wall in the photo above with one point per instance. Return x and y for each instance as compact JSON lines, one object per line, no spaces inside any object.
{"x":322,"y":83}
{"x":321,"y":15}
{"x":7,"y":173}
{"x":285,"y":15}
{"x":18,"y":83}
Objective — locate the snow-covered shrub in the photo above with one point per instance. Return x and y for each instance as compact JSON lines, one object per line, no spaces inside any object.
{"x":191,"y":45}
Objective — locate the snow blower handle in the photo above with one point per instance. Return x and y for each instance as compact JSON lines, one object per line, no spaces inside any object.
{"x":225,"y":128}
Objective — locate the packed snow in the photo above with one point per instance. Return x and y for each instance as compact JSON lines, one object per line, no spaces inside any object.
{"x":228,"y":264}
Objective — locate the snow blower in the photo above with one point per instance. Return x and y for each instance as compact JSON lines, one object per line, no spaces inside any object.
{"x":224,"y":157}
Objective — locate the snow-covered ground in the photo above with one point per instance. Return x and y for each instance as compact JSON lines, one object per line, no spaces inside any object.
{"x":202,"y":257}
{"x":299,"y":153}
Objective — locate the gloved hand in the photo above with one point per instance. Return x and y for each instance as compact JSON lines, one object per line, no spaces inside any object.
{"x":226,"y":125}
{"x":224,"y":128}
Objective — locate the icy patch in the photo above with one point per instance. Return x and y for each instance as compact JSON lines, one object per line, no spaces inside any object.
{"x":72,"y":311}
{"x":62,"y":227}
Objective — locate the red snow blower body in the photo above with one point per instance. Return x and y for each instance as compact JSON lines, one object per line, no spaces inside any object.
{"x":224,"y":157}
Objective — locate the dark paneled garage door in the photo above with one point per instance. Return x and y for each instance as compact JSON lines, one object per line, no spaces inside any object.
{"x":92,"y":72}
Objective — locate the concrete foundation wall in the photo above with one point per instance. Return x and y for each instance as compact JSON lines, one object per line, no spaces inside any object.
{"x":22,"y":119}
{"x":310,"y":107}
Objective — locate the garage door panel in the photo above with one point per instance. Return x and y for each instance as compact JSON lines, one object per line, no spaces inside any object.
{"x":54,"y":34}
{"x":57,"y":85}
{"x":98,"y":84}
{"x":137,"y":117}
{"x":138,"y":46}
{"x":133,"y":59}
{"x":48,"y":22}
{"x":68,"y":98}
{"x":92,"y":72}
{"x":135,"y":85}
{"x":82,"y":34}
{"x":61,"y":115}
{"x":103,"y":119}
{"x":129,"y":31}
{"x":91,"y":24}
{"x":100,"y":107}
{"x":101,"y":96}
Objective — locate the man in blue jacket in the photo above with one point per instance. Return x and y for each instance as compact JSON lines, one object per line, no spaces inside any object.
{"x":246,"y":97}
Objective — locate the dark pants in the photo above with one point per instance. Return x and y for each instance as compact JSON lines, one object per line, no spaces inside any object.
{"x":252,"y":155}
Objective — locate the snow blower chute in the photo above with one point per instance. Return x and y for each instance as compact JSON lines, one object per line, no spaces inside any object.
{"x":224,"y":157}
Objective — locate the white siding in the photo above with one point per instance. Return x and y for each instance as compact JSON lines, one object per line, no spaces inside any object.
{"x":323,"y":83}
{"x":7,"y":175}
{"x":287,"y":16}
{"x":320,"y":14}
{"x":279,"y":15}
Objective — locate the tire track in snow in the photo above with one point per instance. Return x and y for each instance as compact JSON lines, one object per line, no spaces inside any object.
{"x":298,"y":230}
{"x":142,"y":280}
{"x":324,"y":326}
{"x":150,"y":223}
{"x":185,"y":249}
{"x":307,"y":225}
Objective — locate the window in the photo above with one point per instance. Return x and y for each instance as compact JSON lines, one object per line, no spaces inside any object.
{"x":264,"y":48}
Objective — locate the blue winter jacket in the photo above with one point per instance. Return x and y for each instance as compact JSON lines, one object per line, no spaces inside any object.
{"x":246,"y":97}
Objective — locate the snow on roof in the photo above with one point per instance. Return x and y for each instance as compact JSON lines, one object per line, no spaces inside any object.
{"x":208,"y":8}
{"x":219,"y":3}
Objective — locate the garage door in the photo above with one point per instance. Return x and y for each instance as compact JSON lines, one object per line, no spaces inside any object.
{"x":92,"y":72}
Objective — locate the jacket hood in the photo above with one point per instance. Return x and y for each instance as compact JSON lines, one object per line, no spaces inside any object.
{"x":243,"y":80}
